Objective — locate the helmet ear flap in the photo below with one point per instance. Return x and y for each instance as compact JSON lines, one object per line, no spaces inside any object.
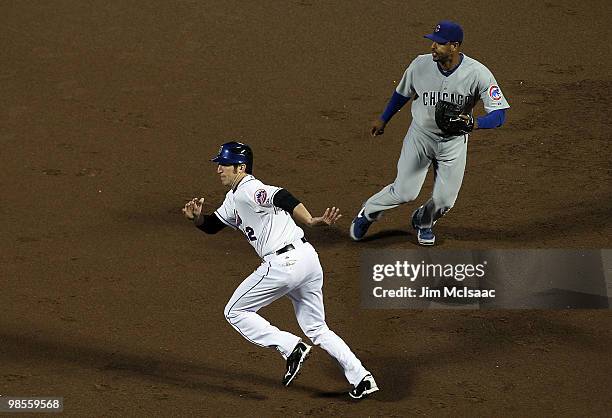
{"x":248,"y":153}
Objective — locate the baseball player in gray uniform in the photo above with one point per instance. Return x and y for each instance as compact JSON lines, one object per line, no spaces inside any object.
{"x":290,"y":266}
{"x":444,"y":75}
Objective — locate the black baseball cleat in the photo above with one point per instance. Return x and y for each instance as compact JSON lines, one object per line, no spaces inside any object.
{"x":364,"y":388}
{"x":294,"y":362}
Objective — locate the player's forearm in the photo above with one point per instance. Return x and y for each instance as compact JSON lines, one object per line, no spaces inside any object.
{"x":301,"y":214}
{"x":396,"y":102}
{"x":495,"y":119}
{"x":208,"y":223}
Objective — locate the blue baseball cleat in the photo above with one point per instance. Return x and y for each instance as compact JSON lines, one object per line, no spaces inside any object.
{"x":359,"y":226}
{"x":425,"y":236}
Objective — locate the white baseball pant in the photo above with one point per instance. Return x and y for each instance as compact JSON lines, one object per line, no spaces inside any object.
{"x":298,"y":275}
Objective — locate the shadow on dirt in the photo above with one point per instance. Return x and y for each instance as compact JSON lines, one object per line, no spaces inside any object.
{"x":485,"y":335}
{"x":197,"y":376}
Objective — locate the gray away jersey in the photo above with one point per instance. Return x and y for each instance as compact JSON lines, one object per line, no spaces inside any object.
{"x":250,"y":209}
{"x":424,"y":83}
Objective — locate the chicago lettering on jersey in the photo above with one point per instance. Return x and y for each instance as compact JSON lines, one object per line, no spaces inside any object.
{"x":430,"y":98}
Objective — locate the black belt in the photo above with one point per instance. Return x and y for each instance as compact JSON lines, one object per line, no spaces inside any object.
{"x":288,"y":247}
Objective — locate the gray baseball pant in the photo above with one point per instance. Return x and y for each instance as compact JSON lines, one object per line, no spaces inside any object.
{"x":420,"y":150}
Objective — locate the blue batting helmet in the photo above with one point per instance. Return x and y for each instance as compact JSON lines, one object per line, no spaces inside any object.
{"x":235,"y":153}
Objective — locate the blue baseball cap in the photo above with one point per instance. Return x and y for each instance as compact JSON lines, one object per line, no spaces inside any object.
{"x":446,"y":31}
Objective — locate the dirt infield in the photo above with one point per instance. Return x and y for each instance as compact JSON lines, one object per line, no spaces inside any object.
{"x":110,"y":113}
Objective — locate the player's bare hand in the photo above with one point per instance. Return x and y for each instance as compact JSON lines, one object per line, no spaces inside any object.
{"x":193,"y":208}
{"x":330,"y":216}
{"x":378,"y":127}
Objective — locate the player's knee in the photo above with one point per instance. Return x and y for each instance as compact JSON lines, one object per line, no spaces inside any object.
{"x":229,"y":313}
{"x":406,"y":194}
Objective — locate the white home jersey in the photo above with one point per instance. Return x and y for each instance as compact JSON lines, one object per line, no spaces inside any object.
{"x":425,"y":84}
{"x":249,"y":208}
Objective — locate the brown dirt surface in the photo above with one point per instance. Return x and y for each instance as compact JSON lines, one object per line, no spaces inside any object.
{"x":110,"y":113}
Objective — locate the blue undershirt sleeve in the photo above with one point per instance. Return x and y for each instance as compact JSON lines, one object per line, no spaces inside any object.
{"x":396,"y":102}
{"x":495,"y":119}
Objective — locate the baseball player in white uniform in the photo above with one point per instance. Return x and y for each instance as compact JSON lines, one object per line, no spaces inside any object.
{"x":446,"y":74}
{"x":290,"y":266}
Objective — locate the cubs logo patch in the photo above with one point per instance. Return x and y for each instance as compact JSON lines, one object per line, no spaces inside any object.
{"x":261,"y":196}
{"x":495,"y":93}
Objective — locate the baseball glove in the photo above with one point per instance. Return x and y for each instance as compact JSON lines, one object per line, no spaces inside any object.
{"x":452,"y":118}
